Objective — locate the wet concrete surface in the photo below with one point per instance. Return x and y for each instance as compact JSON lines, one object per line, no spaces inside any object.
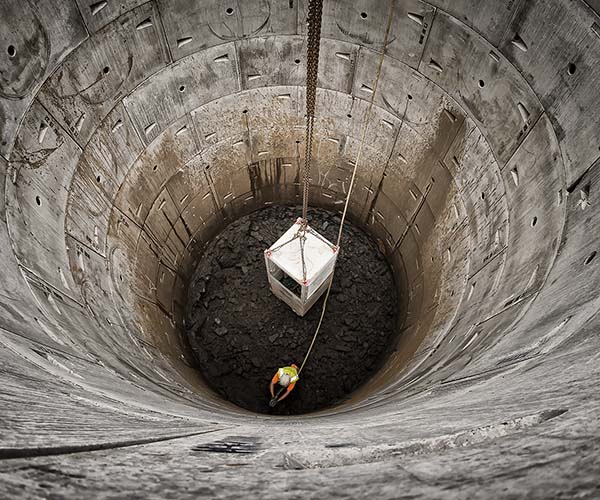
{"x":241,"y":333}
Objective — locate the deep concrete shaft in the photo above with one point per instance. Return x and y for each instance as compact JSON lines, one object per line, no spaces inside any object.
{"x":131,"y":132}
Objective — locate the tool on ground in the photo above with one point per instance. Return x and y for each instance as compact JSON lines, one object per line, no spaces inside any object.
{"x":275,"y":399}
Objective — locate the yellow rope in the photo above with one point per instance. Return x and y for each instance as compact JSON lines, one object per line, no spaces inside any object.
{"x":358,"y":155}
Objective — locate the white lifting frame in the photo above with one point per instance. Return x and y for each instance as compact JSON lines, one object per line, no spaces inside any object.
{"x":300,"y":266}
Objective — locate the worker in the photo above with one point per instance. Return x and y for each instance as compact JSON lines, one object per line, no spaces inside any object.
{"x":287,"y":377}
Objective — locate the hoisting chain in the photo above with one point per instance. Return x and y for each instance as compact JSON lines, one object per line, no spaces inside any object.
{"x":313,"y":22}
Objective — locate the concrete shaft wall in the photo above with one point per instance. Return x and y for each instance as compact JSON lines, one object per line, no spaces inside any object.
{"x":131,"y":132}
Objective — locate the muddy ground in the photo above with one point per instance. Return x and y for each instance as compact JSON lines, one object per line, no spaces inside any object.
{"x":241,"y":333}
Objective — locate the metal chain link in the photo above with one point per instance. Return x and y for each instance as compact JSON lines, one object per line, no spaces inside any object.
{"x":313,"y":22}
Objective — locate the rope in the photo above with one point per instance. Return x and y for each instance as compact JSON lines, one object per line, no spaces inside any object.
{"x":358,"y":156}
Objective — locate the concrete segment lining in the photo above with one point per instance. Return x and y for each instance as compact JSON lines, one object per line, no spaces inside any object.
{"x":132,"y":132}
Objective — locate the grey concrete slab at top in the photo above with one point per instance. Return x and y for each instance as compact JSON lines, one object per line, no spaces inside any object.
{"x":272,"y":60}
{"x":364,"y":23}
{"x":34,"y":40}
{"x":194,"y":26}
{"x":337,"y":64}
{"x":482,"y":81}
{"x":429,"y":120}
{"x":489,"y":18}
{"x":98,"y":14}
{"x":105,"y":68}
{"x":181,"y":87}
{"x":560,"y":62}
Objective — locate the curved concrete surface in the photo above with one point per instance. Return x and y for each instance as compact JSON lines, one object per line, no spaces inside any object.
{"x":131,"y":132}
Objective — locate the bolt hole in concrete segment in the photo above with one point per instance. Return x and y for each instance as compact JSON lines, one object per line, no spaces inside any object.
{"x":590,"y":257}
{"x":571,"y":68}
{"x":241,"y":333}
{"x":12,"y":51}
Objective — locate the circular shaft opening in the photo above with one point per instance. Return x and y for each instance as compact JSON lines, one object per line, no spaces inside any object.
{"x":241,"y":333}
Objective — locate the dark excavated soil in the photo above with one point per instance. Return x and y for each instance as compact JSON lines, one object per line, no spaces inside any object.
{"x":241,"y":333}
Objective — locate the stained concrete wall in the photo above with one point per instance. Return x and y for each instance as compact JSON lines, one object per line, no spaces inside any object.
{"x":131,"y":132}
